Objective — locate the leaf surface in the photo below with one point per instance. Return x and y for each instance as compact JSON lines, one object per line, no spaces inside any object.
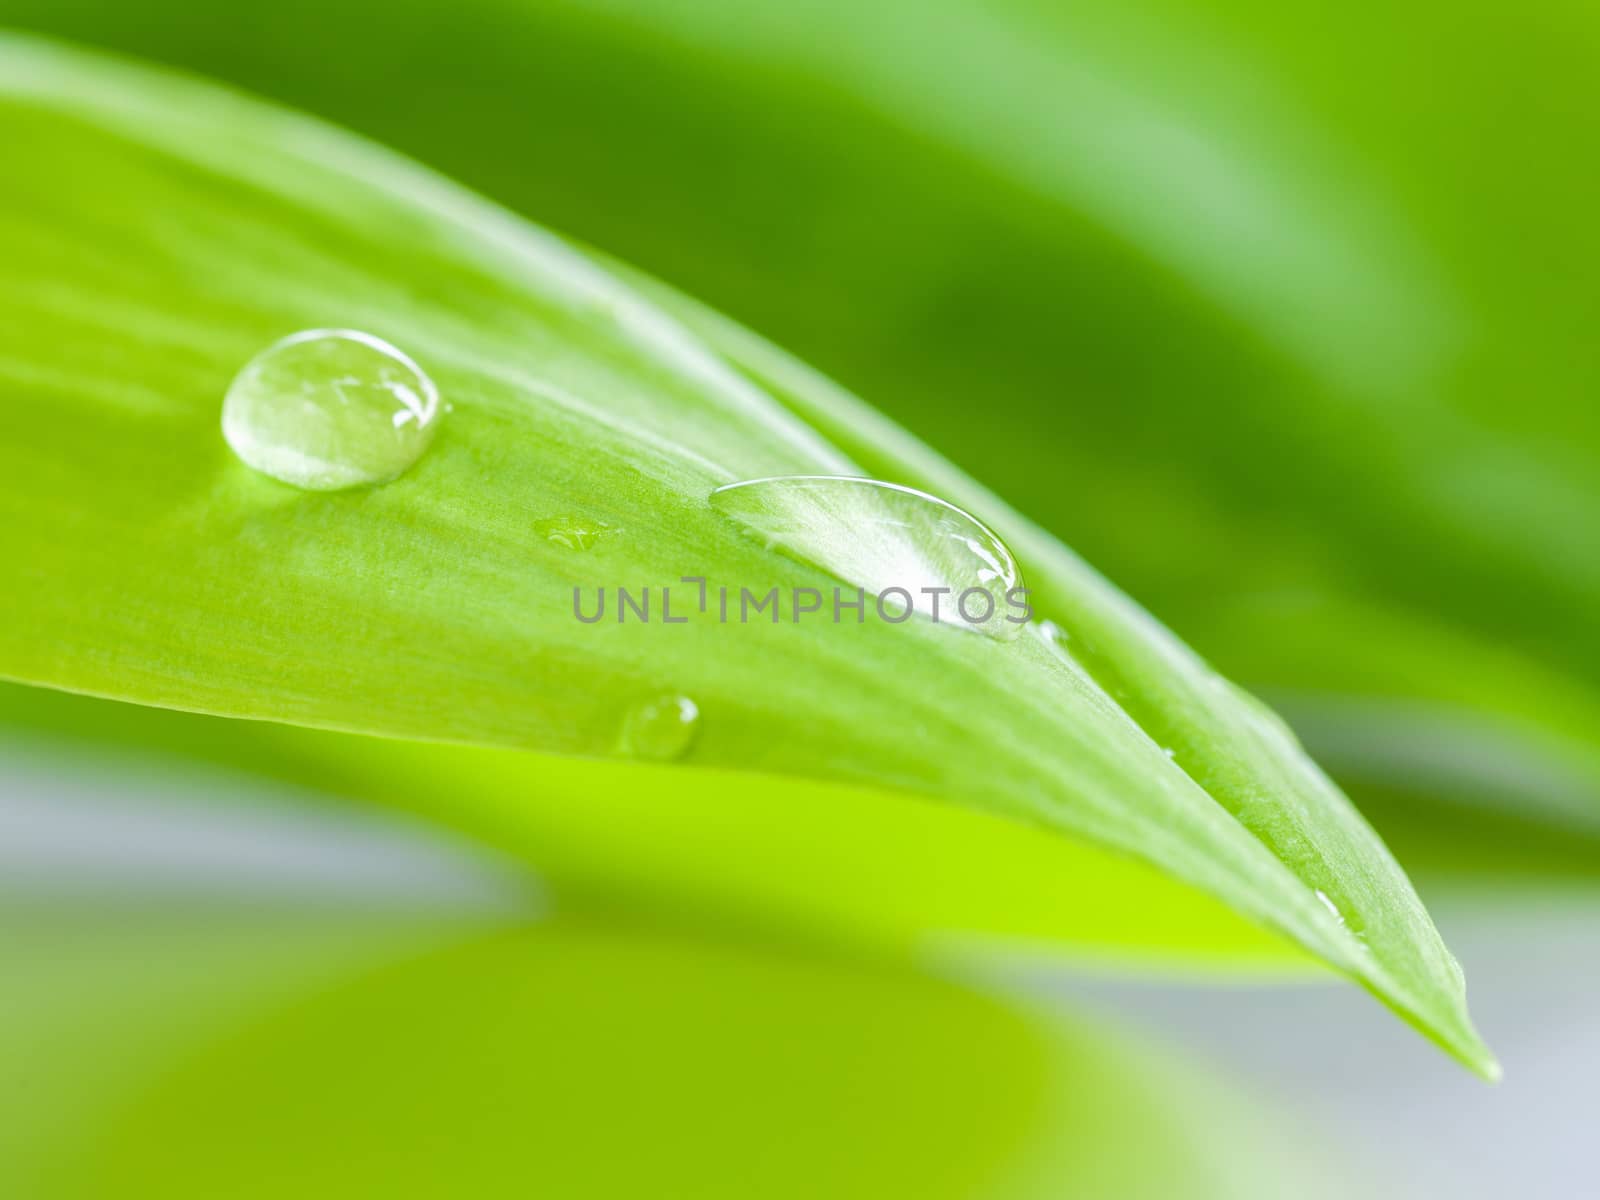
{"x":156,"y":233}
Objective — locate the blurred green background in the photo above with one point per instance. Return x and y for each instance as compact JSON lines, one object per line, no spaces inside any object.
{"x":1282,"y":316}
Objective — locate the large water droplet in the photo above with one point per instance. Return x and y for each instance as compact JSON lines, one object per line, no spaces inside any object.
{"x":330,"y":408}
{"x":660,"y":729}
{"x":912,"y":549}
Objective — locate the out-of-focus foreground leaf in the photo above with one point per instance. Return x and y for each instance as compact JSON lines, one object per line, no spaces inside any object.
{"x":156,"y":233}
{"x":941,"y":885}
{"x":157,"y":1055}
{"x":1263,"y":318}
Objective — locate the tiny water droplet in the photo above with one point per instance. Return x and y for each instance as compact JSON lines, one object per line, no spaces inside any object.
{"x":660,"y":729}
{"x":1327,"y":902}
{"x":896,"y":542}
{"x":330,"y":408}
{"x":1054,"y":636}
{"x":575,"y":533}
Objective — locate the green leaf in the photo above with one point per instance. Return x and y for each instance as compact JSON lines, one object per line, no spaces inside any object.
{"x":325,"y":1056}
{"x":157,"y":233}
{"x":1310,"y":397}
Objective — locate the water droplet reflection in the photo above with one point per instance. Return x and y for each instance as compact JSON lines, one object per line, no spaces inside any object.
{"x":330,"y":408}
{"x":660,"y":729}
{"x":910,"y":548}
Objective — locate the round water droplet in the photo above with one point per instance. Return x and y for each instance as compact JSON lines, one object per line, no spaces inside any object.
{"x":896,"y":542}
{"x":330,"y":408}
{"x":660,"y":729}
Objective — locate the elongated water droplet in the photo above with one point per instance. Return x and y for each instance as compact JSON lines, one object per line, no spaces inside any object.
{"x":912,"y":549}
{"x":330,"y":408}
{"x":660,"y":729}
{"x":575,"y":533}
{"x":1343,"y":914}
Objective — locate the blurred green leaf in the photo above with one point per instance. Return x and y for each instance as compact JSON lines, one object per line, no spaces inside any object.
{"x":760,"y":854}
{"x":258,"y":1056}
{"x":1263,"y":317}
{"x":158,"y":232}
{"x":99,"y":1003}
